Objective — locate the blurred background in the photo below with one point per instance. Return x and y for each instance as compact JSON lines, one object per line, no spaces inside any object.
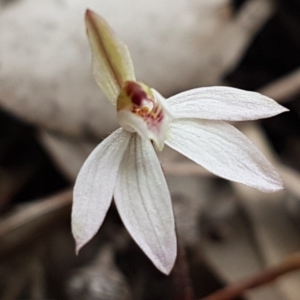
{"x":52,"y":114}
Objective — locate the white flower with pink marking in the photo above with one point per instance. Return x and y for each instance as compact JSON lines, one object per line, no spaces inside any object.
{"x":125,"y":165}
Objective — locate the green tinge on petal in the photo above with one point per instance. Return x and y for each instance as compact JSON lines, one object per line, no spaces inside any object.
{"x":112,"y":64}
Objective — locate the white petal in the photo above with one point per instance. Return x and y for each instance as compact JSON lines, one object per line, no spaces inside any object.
{"x":94,"y":186}
{"x":226,"y":152}
{"x":144,"y":203}
{"x":223,"y":103}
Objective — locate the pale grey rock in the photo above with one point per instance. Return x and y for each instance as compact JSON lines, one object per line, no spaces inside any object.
{"x":45,"y":60}
{"x":45,"y":73}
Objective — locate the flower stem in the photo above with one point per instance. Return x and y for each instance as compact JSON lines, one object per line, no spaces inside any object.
{"x":182,"y":276}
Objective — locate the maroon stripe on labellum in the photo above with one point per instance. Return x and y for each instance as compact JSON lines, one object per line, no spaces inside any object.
{"x":135,"y":92}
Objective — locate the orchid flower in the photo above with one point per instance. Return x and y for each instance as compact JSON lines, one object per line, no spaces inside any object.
{"x":125,"y":165}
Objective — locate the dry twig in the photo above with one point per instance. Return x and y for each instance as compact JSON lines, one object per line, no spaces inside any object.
{"x":22,"y":225}
{"x":233,"y":291}
{"x":283,"y":89}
